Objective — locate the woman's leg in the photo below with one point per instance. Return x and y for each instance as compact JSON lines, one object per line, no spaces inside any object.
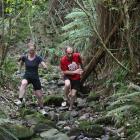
{"x":22,"y":89}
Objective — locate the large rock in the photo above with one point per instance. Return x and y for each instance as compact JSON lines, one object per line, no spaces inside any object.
{"x":91,"y":130}
{"x":54,"y":134}
{"x":18,"y":131}
{"x":40,"y":122}
{"x":93,"y":97}
{"x":53,"y":100}
{"x":36,"y":138}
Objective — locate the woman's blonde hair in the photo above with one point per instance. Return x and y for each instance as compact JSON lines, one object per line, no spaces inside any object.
{"x":31,"y":45}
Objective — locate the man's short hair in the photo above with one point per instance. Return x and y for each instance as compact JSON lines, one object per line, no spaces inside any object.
{"x":67,"y":48}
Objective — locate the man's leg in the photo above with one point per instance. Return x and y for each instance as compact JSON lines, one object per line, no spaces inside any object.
{"x":67,"y":89}
{"x":72,"y":96}
{"x":75,"y":86}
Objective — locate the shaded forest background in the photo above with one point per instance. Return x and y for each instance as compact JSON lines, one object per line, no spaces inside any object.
{"x":106,"y":32}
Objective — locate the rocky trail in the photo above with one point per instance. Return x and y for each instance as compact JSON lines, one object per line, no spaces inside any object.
{"x":87,"y":121}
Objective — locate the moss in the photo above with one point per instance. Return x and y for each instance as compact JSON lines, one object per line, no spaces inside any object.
{"x":36,"y":138}
{"x":39,"y":118}
{"x":93,"y":97}
{"x":91,"y":130}
{"x":26,"y":111}
{"x":17,"y":130}
{"x":65,"y":116}
{"x":74,"y":132}
{"x":41,"y":127}
{"x":106,"y":120}
{"x":6,"y":135}
{"x":53,"y":100}
{"x":114,"y":138}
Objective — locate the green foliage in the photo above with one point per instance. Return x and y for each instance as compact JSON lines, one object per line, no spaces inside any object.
{"x":53,"y":100}
{"x":93,"y":96}
{"x":79,"y":28}
{"x":88,"y":127}
{"x":125,"y":109}
{"x":6,"y":134}
{"x":7,"y":73}
{"x":17,"y":130}
{"x":119,"y":75}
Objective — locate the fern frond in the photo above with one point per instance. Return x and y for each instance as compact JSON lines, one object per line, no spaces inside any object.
{"x":122,"y":109}
{"x":8,"y":133}
{"x":85,"y":32}
{"x":118,"y":103}
{"x":79,"y":27}
{"x":131,"y":95}
{"x":119,"y":94}
{"x":137,"y":136}
{"x":76,"y":13}
{"x":2,"y":121}
{"x":75,"y":24}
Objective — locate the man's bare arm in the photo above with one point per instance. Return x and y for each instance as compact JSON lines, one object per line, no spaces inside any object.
{"x":78,"y":71}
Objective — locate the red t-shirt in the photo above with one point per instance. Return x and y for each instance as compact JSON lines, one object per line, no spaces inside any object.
{"x":72,"y":65}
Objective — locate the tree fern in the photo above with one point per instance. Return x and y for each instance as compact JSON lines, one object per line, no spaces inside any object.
{"x":131,"y":95}
{"x":79,"y":27}
{"x":118,"y":94}
{"x":122,"y":109}
{"x":124,"y":98}
{"x":125,"y":109}
{"x":137,"y":136}
{"x":118,"y":103}
{"x":5,"y":132}
{"x":76,"y":13}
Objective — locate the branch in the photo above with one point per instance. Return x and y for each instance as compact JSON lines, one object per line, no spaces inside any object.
{"x":109,"y":52}
{"x":100,"y":38}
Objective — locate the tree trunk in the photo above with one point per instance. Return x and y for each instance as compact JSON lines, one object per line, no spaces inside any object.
{"x":100,"y":53}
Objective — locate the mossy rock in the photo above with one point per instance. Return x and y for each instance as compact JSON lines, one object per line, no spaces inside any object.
{"x":19,"y":131}
{"x":115,"y":138}
{"x":53,"y":100}
{"x":98,"y":108}
{"x":93,"y":97}
{"x":41,"y":127}
{"x":39,"y":118}
{"x":85,"y":123}
{"x":26,"y":111}
{"x":106,"y":120}
{"x":91,"y":130}
{"x":36,"y":138}
{"x":74,"y":132}
{"x":65,"y":116}
{"x":88,"y":130}
{"x":92,"y":103}
{"x":53,"y":134}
